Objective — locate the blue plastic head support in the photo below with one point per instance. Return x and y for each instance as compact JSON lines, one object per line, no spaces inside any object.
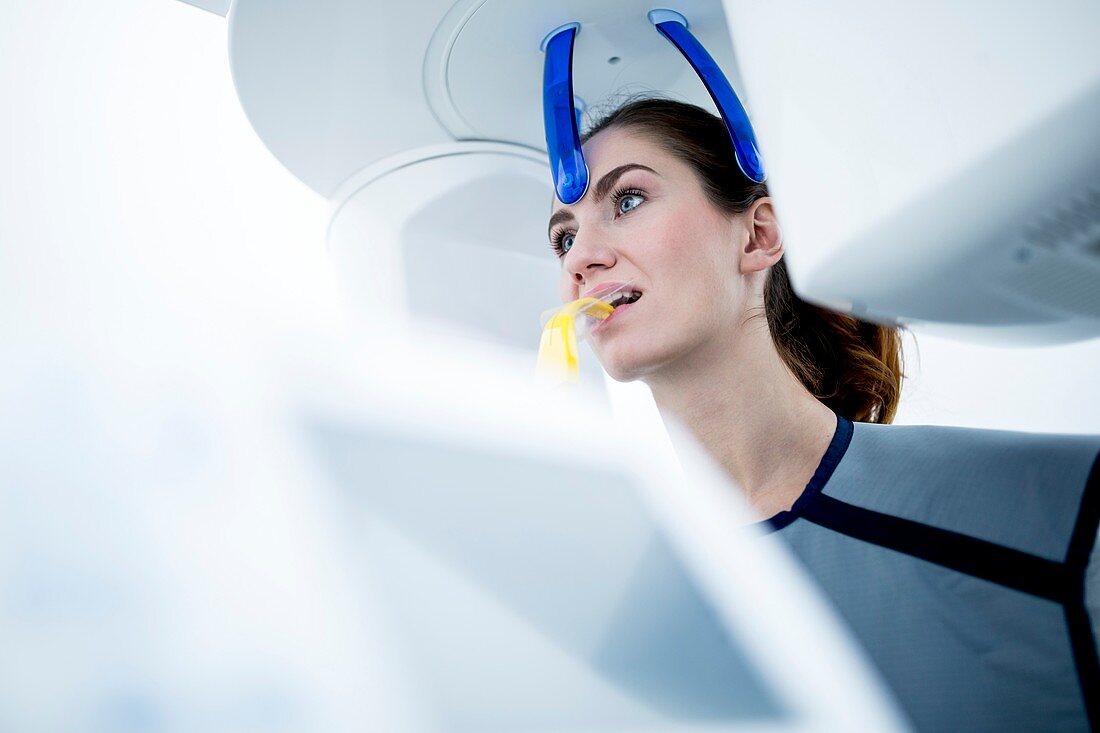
{"x":674,"y":27}
{"x":563,"y":140}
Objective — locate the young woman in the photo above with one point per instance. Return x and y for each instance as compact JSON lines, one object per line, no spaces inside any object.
{"x":959,"y":557}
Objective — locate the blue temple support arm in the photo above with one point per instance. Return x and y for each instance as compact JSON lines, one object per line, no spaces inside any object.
{"x":674,"y":27}
{"x":563,"y":140}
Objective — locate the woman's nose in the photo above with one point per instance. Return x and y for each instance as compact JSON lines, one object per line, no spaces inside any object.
{"x":586,"y":256}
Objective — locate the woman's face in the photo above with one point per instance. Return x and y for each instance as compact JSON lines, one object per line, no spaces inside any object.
{"x":646,"y":220}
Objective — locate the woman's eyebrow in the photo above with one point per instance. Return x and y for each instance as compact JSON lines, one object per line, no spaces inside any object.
{"x":559,"y":216}
{"x":609,"y":178}
{"x":602,"y":187}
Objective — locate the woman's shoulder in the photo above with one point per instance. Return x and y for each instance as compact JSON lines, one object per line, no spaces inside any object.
{"x":1016,"y":488}
{"x":963,"y":451}
{"x":914,"y":438}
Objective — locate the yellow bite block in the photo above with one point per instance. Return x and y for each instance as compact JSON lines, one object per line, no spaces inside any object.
{"x":558,"y":347}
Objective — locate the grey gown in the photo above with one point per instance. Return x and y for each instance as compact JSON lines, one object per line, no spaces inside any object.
{"x":964,"y":561}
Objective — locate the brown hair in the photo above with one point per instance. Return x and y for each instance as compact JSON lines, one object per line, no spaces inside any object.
{"x":852,"y":366}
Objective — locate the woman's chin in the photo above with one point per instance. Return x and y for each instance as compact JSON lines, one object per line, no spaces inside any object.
{"x":619,"y":376}
{"x":624,"y":366}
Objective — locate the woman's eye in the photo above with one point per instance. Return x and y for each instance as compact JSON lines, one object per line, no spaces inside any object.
{"x":629,"y":202}
{"x":562,"y":243}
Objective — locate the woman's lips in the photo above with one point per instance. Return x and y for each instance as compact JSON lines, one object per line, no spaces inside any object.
{"x":603,"y":290}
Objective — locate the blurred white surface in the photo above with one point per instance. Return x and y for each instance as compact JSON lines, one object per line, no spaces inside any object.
{"x":1048,"y":389}
{"x":161,"y":567}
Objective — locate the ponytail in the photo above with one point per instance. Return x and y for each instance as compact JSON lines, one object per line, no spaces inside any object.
{"x":852,"y":366}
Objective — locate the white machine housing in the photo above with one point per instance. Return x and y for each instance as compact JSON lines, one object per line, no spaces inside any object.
{"x":935,"y":162}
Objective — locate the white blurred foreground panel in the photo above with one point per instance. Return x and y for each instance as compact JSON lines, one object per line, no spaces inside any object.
{"x":167,"y":562}
{"x":544,"y":567}
{"x":421,"y":542}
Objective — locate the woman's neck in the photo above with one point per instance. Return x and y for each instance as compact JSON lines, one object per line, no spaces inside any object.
{"x":751,"y":414}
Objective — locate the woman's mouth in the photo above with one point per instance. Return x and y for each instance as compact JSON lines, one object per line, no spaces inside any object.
{"x":626,"y":297}
{"x":623,"y":301}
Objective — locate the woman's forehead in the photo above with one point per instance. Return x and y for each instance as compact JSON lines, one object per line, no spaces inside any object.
{"x":610,"y":148}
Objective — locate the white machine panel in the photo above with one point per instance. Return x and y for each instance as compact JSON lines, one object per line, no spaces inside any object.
{"x":935,"y":161}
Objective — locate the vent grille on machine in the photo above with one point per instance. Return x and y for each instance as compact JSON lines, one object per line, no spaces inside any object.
{"x":1062,"y":269}
{"x":1075,"y":224}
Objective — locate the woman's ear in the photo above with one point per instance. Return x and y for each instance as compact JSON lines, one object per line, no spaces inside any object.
{"x":765,"y":244}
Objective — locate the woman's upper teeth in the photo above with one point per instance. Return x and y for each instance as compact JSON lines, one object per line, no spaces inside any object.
{"x":625,"y":297}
